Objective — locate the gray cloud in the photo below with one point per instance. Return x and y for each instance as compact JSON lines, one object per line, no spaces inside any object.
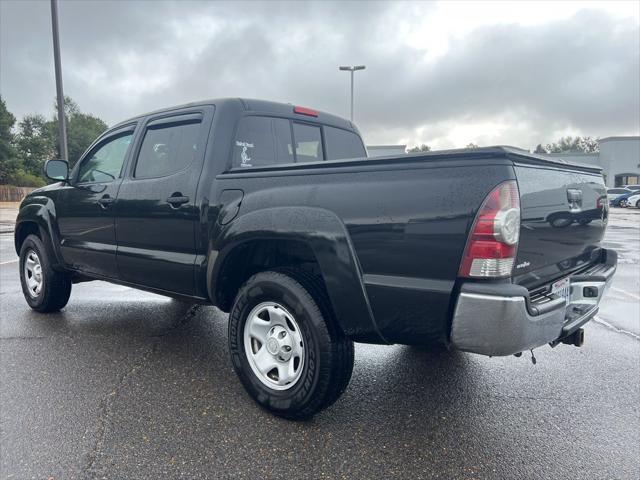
{"x":504,"y":83}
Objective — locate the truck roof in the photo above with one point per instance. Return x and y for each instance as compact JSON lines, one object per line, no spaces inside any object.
{"x":258,"y":106}
{"x":267,"y":107}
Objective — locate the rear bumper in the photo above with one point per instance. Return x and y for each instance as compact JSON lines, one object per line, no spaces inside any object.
{"x":502,"y":319}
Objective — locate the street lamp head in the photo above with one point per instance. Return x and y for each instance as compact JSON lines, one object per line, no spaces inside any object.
{"x":352,"y":69}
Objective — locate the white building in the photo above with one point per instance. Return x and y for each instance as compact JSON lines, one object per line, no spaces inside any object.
{"x":619,"y":157}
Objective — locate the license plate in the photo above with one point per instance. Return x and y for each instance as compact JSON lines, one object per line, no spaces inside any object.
{"x":562,"y":288}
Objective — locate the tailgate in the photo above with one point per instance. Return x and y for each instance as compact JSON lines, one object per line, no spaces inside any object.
{"x":564,"y":216}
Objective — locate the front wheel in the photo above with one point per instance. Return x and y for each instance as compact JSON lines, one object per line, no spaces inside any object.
{"x":44,"y":289}
{"x":286,"y":346}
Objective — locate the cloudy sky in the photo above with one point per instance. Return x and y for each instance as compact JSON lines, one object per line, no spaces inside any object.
{"x":444,"y":74}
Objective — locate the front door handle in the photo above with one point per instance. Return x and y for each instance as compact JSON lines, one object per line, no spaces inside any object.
{"x":105,"y":201}
{"x":176,"y":200}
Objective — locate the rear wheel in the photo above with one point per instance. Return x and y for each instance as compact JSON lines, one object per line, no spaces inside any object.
{"x":560,"y":221}
{"x":638,"y":204}
{"x":44,"y":289}
{"x":286,"y":346}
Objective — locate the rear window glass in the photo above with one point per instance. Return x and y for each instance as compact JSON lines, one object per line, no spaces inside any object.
{"x":342,"y":144}
{"x":308,"y":143}
{"x":167,"y":149}
{"x":262,"y":141}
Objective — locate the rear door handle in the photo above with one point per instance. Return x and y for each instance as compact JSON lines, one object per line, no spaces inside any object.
{"x":176,"y":200}
{"x":105,"y":201}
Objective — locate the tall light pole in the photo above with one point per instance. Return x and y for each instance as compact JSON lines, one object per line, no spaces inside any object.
{"x":62,"y":124}
{"x":349,"y":69}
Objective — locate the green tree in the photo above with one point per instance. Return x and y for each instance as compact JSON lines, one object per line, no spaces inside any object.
{"x":8,"y":160}
{"x":590,"y":144}
{"x":540,"y":149}
{"x":13,"y":170}
{"x":35,"y":142}
{"x":419,"y":148}
{"x":82,"y":130}
{"x":574,"y":145}
{"x":70,"y":106}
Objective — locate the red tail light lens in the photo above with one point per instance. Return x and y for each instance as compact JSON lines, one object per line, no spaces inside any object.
{"x":493,"y":241}
{"x":305,"y":111}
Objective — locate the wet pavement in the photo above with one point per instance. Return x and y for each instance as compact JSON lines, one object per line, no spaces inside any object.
{"x":622,"y":306}
{"x":8,"y":214}
{"x":125,"y":384}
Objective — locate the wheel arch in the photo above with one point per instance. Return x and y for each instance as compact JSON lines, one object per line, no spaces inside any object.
{"x":310,"y":238}
{"x":37,"y":216}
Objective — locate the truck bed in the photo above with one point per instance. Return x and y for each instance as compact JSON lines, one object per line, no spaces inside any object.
{"x":408,"y":218}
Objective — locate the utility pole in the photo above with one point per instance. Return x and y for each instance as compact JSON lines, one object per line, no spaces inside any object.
{"x":350,"y":69}
{"x":62,"y":122}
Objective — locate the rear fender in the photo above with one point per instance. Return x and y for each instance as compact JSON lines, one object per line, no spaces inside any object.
{"x":327,"y":237}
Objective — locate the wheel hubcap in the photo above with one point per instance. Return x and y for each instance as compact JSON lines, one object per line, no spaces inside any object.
{"x":33,"y":273}
{"x":273,"y":345}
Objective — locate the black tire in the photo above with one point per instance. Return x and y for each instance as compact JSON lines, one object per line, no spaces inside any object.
{"x":560,"y":221}
{"x":329,"y":355}
{"x":638,"y":204}
{"x":56,"y":286}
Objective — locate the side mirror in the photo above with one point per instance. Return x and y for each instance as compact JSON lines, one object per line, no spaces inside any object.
{"x":56,"y":169}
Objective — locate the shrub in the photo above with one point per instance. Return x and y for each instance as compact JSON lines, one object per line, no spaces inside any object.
{"x":21,"y":178}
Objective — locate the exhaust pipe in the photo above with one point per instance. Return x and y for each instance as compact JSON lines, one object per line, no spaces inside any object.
{"x":576,"y":338}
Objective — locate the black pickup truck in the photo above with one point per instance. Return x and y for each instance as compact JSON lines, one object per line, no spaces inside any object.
{"x":274,"y":213}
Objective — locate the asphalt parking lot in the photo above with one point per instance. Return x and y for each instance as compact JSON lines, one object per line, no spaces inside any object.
{"x":124,"y":384}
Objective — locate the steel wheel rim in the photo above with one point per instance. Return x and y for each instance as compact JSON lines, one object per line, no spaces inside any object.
{"x":33,"y":273}
{"x":274,"y":346}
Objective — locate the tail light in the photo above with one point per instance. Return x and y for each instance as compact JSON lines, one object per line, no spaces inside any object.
{"x":305,"y":111}
{"x":493,"y":241}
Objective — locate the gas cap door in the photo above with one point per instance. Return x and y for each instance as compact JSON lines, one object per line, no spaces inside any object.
{"x":230,"y":201}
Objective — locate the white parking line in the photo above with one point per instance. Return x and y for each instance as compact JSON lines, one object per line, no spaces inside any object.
{"x":637,"y":297}
{"x":10,"y":261}
{"x":616,"y":329}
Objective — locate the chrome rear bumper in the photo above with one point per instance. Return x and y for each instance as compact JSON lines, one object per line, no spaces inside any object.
{"x":502,"y":319}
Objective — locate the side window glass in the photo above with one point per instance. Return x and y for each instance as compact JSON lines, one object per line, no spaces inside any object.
{"x":262,"y":141}
{"x":105,"y":162}
{"x":342,"y":144}
{"x":284,"y":143}
{"x":308,"y":143}
{"x":167,"y":148}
